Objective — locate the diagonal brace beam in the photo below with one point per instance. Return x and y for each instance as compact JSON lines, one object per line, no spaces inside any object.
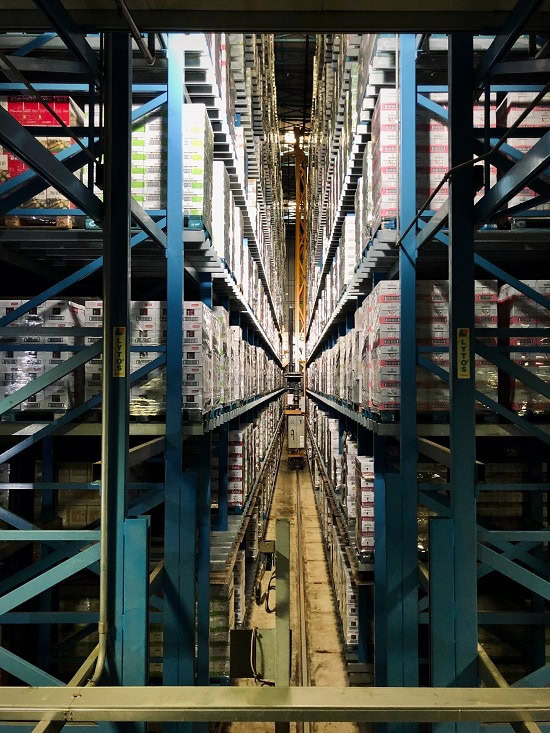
{"x":488,"y":402}
{"x":514,"y":370}
{"x":514,"y":571}
{"x":51,"y":577}
{"x":495,"y":271}
{"x":504,"y":40}
{"x":75,"y":413}
{"x":67,"y":282}
{"x":69,"y":32}
{"x":25,"y":671}
{"x":520,"y":175}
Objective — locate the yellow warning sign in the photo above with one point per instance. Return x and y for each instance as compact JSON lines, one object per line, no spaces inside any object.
{"x":119,"y":351}
{"x":463,"y":353}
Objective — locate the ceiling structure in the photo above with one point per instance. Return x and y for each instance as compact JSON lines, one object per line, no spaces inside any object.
{"x":294,"y":54}
{"x":280,"y":16}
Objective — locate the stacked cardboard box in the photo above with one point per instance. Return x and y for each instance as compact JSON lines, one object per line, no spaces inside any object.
{"x":364,"y":504}
{"x":28,"y":112}
{"x":239,"y":580}
{"x":149,"y":155}
{"x":21,"y":367}
{"x":345,"y":591}
{"x":197,"y":354}
{"x":347,"y":254}
{"x":222,"y":620}
{"x":508,"y":112}
{"x":236,"y":467}
{"x":77,"y":508}
{"x":198,"y":157}
{"x":519,"y":311}
{"x":383,"y":373}
{"x":349,"y":483}
{"x":147,"y":328}
{"x":364,"y":365}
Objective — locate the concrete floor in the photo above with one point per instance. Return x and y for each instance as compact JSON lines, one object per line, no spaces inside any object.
{"x":325,"y":650}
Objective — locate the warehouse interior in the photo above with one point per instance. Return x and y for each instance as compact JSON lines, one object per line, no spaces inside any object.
{"x":275,"y":385}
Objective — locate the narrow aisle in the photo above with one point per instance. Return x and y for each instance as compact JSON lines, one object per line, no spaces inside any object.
{"x":326,"y":659}
{"x":325,"y":651}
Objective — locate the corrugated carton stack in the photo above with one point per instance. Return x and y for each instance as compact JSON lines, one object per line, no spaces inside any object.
{"x":222,"y":620}
{"x":77,"y":508}
{"x":198,"y":155}
{"x":149,"y":155}
{"x":364,"y":365}
{"x":508,"y":112}
{"x":148,"y":328}
{"x":347,"y":254}
{"x":197,"y":352}
{"x":346,"y":593}
{"x":364,"y":504}
{"x":385,"y":147}
{"x":253,"y":534}
{"x":349,"y":483}
{"x":384,"y":366}
{"x":21,"y":367}
{"x":239,"y":580}
{"x":236,"y":467}
{"x":29,"y":112}
{"x":519,"y":311}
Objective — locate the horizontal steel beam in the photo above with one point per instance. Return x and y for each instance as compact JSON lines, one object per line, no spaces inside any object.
{"x":348,"y":16}
{"x":226,"y":704}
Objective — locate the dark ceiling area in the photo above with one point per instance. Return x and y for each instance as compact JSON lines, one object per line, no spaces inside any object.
{"x":294,"y":53}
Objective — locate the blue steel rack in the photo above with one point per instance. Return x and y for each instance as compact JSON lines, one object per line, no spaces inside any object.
{"x":132,"y":591}
{"x":462,"y":552}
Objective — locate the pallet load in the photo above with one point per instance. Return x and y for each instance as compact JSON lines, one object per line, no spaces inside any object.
{"x":363,"y":366}
{"x":29,"y":112}
{"x":222,"y":620}
{"x":198,"y":157}
{"x":519,"y":311}
{"x":19,"y":368}
{"x":349,"y":483}
{"x":508,"y":112}
{"x":147,"y":328}
{"x":364,"y":504}
{"x":239,"y":579}
{"x":197,"y":354}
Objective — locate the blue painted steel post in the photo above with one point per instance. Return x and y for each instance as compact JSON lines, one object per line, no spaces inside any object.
{"x":180,"y":491}
{"x":136,"y":605}
{"x":204,"y":524}
{"x":408,"y":657}
{"x":116,"y":293}
{"x":442,"y":652}
{"x":461,"y":356}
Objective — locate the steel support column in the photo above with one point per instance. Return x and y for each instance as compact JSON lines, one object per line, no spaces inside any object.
{"x":116,"y":294}
{"x":462,"y":362}
{"x":180,"y":490}
{"x":403,"y":652}
{"x":441,"y":595}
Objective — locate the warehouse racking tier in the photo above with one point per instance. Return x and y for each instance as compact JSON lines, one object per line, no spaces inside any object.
{"x":157,"y":470}
{"x":470,"y":579}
